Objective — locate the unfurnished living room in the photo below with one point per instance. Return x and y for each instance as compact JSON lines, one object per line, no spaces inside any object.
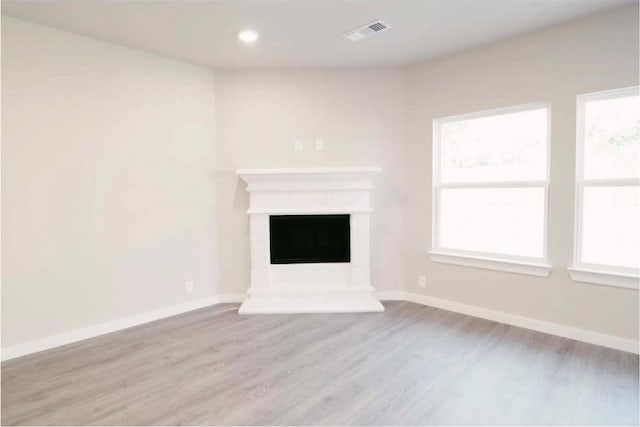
{"x":320,"y":212}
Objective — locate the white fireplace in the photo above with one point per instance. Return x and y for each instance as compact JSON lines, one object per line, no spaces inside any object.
{"x":301,"y":209}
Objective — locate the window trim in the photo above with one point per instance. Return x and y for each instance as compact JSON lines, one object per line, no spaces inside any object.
{"x":490,"y":263}
{"x":537,"y":266}
{"x":603,"y":277}
{"x":587,"y":272}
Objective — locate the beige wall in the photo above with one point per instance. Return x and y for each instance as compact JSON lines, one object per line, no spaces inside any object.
{"x":360,"y":116}
{"x":107,"y":182}
{"x":553,"y":65}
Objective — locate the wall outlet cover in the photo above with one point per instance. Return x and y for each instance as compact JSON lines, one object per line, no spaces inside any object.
{"x":422,"y":281}
{"x":189,"y":287}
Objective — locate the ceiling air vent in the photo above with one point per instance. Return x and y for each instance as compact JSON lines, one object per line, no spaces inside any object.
{"x":366,"y":31}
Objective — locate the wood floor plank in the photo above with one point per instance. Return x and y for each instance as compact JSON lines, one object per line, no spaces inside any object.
{"x":411,"y":365}
{"x":306,"y":364}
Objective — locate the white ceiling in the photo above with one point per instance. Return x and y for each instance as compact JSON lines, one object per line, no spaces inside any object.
{"x":301,"y":33}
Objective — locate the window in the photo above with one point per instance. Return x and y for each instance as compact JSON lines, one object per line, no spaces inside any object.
{"x":607,"y":188}
{"x":490,"y":187}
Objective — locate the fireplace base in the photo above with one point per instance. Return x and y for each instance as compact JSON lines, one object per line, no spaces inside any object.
{"x":287,"y":301}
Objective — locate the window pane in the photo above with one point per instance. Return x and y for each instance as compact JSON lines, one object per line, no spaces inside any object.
{"x":504,"y":147}
{"x":610,"y":226}
{"x":612,"y":138}
{"x":503,"y":220}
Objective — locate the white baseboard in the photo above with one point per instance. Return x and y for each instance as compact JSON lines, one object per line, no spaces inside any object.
{"x":390,"y":295}
{"x":46,"y":343}
{"x":564,"y":331}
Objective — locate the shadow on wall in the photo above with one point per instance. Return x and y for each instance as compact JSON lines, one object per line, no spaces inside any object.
{"x":233,"y":229}
{"x":240,"y":195}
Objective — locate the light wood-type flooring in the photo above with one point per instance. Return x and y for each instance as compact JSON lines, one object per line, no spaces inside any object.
{"x":411,"y":365}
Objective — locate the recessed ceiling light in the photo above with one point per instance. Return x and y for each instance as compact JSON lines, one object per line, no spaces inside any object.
{"x":248,"y":36}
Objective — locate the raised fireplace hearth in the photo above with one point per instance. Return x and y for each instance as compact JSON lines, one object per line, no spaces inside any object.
{"x":310,"y":237}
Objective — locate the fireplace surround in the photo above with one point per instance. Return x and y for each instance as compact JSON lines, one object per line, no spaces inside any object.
{"x":309,"y":232}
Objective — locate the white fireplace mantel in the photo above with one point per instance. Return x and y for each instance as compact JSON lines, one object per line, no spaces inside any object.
{"x":314,"y":287}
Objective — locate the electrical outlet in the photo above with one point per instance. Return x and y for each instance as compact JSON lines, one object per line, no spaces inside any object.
{"x":297,"y":145}
{"x":319,"y":144}
{"x":188,"y":287}
{"x":422,"y":281}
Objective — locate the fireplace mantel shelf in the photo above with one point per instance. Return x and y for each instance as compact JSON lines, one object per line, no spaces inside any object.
{"x":308,"y":211}
{"x":308,"y":179}
{"x":310,"y":171}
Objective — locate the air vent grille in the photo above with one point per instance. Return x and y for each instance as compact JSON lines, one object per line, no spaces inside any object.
{"x":377,"y":26}
{"x":366,"y":31}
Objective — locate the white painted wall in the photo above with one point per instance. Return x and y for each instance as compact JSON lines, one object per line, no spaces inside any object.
{"x":107,"y":182}
{"x":552,"y":65}
{"x":360,"y":116}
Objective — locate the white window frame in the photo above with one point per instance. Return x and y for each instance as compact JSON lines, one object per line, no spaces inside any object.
{"x":535,"y":266}
{"x":581,"y":271}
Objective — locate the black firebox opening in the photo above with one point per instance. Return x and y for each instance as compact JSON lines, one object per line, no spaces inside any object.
{"x":297,"y":239}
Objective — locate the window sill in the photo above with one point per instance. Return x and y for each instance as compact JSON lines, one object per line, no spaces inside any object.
{"x":520,"y":267}
{"x":601,"y":277}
